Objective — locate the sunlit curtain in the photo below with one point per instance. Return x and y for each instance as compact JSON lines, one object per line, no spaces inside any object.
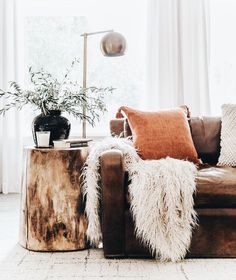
{"x":178,"y":55}
{"x":223,"y":54}
{"x":10,"y":143}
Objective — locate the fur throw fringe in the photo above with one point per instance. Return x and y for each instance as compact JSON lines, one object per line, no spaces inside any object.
{"x":161,"y":193}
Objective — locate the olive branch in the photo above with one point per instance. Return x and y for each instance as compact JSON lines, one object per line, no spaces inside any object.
{"x":49,"y":93}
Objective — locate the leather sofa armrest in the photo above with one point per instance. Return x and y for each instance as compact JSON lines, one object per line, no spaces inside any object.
{"x":113,"y":203}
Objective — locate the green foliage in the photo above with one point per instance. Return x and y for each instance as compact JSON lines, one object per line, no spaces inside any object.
{"x":50,"y":94}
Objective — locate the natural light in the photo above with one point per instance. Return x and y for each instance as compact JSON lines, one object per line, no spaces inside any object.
{"x":52,"y":40}
{"x":222,"y":54}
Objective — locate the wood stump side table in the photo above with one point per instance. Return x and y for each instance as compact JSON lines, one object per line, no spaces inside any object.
{"x":52,"y":207}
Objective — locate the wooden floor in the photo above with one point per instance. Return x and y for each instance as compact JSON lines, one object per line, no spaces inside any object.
{"x":17,"y":263}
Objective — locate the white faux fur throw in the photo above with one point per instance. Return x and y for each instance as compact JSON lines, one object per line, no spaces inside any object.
{"x":161,"y":193}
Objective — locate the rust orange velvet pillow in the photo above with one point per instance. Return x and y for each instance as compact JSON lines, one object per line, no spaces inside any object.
{"x":160,"y":134}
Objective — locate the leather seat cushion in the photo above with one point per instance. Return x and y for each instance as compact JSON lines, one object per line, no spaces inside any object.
{"x":216,"y":188}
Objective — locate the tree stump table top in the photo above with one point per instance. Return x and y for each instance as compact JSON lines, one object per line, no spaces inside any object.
{"x":52,"y":206}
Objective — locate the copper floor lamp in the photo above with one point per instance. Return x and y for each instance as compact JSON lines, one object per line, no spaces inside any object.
{"x":112,"y":44}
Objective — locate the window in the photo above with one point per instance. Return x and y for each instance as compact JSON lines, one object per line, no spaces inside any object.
{"x":52,"y":40}
{"x":222,"y":53}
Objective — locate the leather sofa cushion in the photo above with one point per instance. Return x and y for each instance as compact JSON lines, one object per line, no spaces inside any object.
{"x":117,"y":127}
{"x":206,"y":137}
{"x":216,"y":188}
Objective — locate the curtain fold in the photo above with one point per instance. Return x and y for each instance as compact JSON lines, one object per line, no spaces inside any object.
{"x":177,"y":57}
{"x":10,"y":137}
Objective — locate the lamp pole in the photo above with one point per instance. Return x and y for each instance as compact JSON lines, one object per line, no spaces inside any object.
{"x":84,"y":82}
{"x":85,"y":64}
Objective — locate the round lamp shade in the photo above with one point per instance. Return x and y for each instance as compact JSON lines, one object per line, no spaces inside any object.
{"x":113,"y":44}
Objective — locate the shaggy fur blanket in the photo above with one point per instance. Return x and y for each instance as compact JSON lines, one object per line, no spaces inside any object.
{"x":161,"y":193}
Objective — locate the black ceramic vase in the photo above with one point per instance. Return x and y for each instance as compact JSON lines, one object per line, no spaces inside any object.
{"x":58,"y":126}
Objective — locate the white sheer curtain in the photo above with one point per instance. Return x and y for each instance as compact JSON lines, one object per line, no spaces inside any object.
{"x":178,"y":55}
{"x":10,"y":138}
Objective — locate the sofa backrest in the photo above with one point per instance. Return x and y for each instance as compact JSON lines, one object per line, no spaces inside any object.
{"x":205,"y":133}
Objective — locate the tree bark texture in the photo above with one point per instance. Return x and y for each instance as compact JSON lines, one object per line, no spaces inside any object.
{"x":52,"y":206}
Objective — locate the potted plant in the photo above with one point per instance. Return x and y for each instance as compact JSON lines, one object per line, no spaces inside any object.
{"x":52,"y":97}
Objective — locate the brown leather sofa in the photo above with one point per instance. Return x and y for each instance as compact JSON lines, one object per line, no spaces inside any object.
{"x":215,"y":199}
